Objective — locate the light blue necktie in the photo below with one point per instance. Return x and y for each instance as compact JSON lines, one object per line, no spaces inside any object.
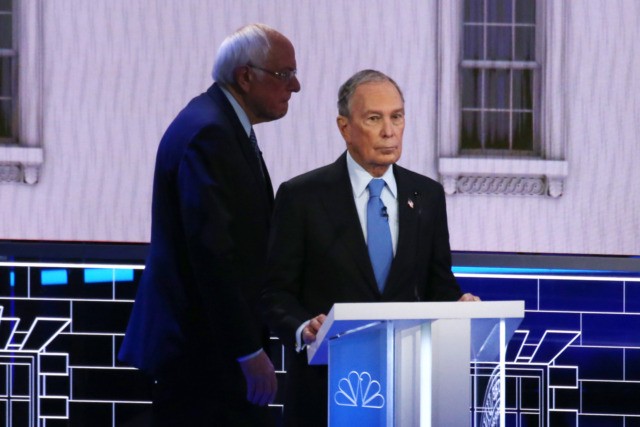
{"x":378,"y":233}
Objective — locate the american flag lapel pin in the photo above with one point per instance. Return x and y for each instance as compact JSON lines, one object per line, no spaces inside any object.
{"x":410,"y":203}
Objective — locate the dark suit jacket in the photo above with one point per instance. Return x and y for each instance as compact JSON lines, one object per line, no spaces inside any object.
{"x":197,"y":302}
{"x":318,"y":257}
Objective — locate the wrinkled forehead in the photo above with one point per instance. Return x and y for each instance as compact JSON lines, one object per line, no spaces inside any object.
{"x":377,"y":97}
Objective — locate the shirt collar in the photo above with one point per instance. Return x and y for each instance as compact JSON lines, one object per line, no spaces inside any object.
{"x":244,"y":119}
{"x":360,"y":178}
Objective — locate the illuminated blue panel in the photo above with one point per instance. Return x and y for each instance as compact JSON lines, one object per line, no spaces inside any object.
{"x":124,"y":275}
{"x":515,"y":345}
{"x":12,"y":278}
{"x":98,"y":275}
{"x":107,"y":275}
{"x":552,"y":344}
{"x":543,"y":271}
{"x":516,"y":270}
{"x":54,"y":277}
{"x":632,"y":297}
{"x":597,"y":363}
{"x":581,"y":295}
{"x":616,"y":330}
{"x":537,"y":323}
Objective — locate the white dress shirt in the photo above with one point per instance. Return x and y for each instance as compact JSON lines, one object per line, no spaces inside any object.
{"x":360,"y":179}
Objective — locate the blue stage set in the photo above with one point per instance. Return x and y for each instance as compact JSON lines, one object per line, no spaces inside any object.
{"x":574,"y":360}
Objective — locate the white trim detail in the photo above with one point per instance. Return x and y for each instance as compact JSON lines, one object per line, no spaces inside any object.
{"x":537,"y":176}
{"x":469,"y":175}
{"x":20,"y":164}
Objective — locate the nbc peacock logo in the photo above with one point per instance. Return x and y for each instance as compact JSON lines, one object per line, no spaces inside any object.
{"x":359,"y":390}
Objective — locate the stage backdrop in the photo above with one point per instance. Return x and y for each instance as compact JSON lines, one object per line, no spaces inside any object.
{"x":109,"y":75}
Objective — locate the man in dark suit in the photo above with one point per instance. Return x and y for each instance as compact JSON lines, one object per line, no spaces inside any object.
{"x":322,"y":248}
{"x":196,"y":325}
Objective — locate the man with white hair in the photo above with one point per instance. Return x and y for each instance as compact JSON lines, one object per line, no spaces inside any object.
{"x":196,"y":328}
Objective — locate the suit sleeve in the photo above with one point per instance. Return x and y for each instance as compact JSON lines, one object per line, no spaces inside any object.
{"x":442,"y":283}
{"x":206,"y":195}
{"x":285,"y":261}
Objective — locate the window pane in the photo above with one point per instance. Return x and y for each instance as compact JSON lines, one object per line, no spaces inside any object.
{"x":473,"y":11}
{"x":499,"y":43}
{"x":497,"y":125}
{"x":497,"y":89}
{"x":5,"y":31}
{"x":499,"y":11}
{"x":471,"y":84}
{"x":526,"y":11}
{"x":525,"y":44}
{"x":470,"y":135}
{"x":473,"y":42}
{"x":523,"y":90}
{"x":5,"y":5}
{"x":5,"y":118}
{"x":5,"y":77}
{"x":523,"y":131}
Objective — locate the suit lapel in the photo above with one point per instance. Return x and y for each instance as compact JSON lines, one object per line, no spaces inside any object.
{"x":407,"y":227}
{"x":341,"y":209}
{"x":245,"y":145}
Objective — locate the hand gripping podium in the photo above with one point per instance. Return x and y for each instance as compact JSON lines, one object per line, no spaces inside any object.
{"x":408,"y":364}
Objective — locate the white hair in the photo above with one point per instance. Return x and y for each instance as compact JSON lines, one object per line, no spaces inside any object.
{"x":247,"y":45}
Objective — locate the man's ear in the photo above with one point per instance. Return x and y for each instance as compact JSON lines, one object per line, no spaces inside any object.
{"x":343,"y":127}
{"x":243,"y":78}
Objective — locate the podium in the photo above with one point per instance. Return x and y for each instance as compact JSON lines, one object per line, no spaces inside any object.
{"x":408,"y":364}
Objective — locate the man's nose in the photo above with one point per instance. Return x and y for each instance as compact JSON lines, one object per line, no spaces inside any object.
{"x":294,"y":84}
{"x":388,"y":129}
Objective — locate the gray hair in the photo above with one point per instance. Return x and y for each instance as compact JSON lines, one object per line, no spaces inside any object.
{"x":346,"y":91}
{"x":247,"y":45}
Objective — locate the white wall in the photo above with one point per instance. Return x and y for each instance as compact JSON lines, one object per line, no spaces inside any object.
{"x":117,"y":71}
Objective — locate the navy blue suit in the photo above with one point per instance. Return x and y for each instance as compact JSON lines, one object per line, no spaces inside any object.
{"x":197,"y":307}
{"x":318,"y":257}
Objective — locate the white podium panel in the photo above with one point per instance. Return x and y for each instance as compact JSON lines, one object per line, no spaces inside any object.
{"x":407,"y":364}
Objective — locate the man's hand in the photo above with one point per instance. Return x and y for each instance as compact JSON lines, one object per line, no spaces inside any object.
{"x":311,"y":330}
{"x":469,"y":297}
{"x":261,"y":379}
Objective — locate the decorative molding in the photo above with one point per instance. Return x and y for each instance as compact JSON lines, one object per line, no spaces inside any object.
{"x":501,"y":185}
{"x":20,"y":164}
{"x":505,"y":176}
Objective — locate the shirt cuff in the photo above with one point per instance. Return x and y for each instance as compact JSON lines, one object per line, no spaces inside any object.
{"x":249,"y":356}
{"x":300,"y":345}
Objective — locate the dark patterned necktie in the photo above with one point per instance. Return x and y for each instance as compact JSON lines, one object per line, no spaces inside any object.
{"x":256,"y":149}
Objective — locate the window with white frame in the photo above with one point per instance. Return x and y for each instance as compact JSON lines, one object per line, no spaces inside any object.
{"x":7,"y":73}
{"x":498,"y":74}
{"x":500,"y":126}
{"x":21,"y":87}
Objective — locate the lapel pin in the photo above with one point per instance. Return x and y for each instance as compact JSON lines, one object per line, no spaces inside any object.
{"x":410,"y":203}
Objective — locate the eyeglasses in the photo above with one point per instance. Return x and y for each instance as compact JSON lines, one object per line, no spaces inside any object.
{"x":285,"y":76}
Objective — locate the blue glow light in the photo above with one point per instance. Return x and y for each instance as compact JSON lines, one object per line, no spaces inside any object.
{"x":516,"y":270}
{"x":124,"y":275}
{"x":107,"y":275}
{"x":54,"y":277}
{"x":12,"y":278}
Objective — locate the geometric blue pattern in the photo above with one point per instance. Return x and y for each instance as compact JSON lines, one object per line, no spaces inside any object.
{"x":575,"y":359}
